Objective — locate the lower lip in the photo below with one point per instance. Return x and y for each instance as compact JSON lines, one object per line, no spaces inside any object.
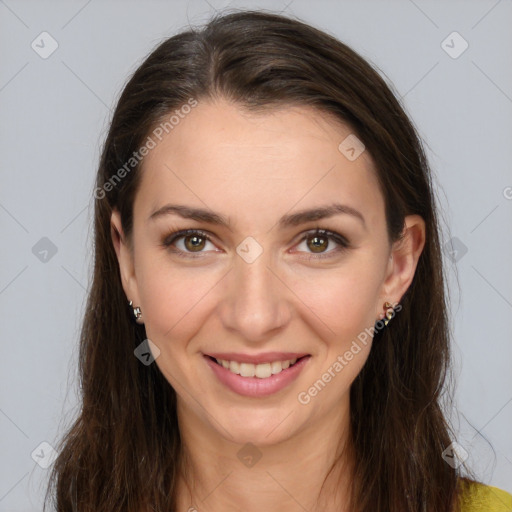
{"x":254,"y":386}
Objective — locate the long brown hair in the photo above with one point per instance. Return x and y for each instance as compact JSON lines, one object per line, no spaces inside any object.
{"x":123,"y":450}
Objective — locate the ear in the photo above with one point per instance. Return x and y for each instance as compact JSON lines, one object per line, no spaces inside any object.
{"x":403,"y":261}
{"x":125,"y":259}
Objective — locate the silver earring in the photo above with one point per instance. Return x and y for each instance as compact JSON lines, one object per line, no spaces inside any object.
{"x":137,"y":313}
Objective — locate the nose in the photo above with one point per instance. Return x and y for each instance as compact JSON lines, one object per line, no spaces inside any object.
{"x":256,"y":304}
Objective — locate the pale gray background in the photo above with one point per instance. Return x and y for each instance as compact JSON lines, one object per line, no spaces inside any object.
{"x":54,"y":113}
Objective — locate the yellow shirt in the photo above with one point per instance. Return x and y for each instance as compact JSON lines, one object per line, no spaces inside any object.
{"x":486,"y":498}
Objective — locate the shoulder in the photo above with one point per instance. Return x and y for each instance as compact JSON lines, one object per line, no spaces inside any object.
{"x":478,"y":497}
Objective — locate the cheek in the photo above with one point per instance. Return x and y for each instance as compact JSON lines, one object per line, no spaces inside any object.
{"x":343,"y":299}
{"x":168,"y":299}
{"x":172,"y":298}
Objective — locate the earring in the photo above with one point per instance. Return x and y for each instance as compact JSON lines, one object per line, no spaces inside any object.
{"x":389,"y":312}
{"x":137,"y":313}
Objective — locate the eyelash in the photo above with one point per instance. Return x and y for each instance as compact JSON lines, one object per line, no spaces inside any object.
{"x":331,"y":235}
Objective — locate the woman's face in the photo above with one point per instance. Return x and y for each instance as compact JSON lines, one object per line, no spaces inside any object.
{"x":262,"y":287}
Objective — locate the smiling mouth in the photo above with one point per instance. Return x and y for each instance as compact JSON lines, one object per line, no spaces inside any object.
{"x":262,"y":370}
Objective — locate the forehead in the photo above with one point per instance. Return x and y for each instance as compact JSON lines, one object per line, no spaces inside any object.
{"x":241,"y":163}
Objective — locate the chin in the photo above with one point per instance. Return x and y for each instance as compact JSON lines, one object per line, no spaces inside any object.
{"x":259,"y":427}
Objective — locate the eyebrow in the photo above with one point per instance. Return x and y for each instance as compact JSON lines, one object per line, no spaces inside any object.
{"x":289,"y":220}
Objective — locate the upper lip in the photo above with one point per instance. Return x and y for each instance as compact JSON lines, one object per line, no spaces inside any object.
{"x":264,"y":357}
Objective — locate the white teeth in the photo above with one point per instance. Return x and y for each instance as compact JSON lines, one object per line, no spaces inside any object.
{"x":262,"y":371}
{"x":247,"y":370}
{"x":276,"y":367}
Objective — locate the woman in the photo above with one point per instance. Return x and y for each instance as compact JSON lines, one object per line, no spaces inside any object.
{"x":267,"y":326}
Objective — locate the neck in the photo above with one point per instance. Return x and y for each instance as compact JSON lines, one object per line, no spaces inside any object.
{"x":310,"y":471}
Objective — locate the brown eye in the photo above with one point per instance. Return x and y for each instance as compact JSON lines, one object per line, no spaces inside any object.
{"x":194,"y":242}
{"x":188,"y":243}
{"x":318,"y":243}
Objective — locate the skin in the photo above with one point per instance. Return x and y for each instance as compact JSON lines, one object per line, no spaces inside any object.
{"x":254,"y":168}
